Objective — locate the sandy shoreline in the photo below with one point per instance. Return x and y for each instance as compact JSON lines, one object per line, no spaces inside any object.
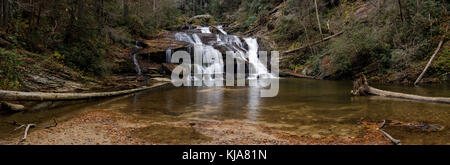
{"x":105,"y":127}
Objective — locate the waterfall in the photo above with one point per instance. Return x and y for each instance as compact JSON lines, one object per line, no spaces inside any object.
{"x":204,"y":29}
{"x":257,"y":66}
{"x":212,"y":61}
{"x":212,"y":58}
{"x":184,"y":37}
{"x":168,"y":55}
{"x":135,"y":61}
{"x":197,"y":39}
{"x":220,"y":28}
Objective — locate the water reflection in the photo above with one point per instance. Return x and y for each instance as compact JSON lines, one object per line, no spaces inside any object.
{"x":253,"y":102}
{"x":303,"y":107}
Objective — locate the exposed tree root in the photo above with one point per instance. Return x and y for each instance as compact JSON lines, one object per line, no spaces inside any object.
{"x":362,"y":88}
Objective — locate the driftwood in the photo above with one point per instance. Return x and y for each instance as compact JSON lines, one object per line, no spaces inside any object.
{"x":39,"y":96}
{"x":11,"y":107}
{"x":28,"y":126}
{"x":415,"y":125}
{"x":281,"y":5}
{"x":362,"y":88}
{"x":314,"y":43}
{"x":200,"y":16}
{"x":299,"y":75}
{"x":394,"y":141}
{"x":26,"y":133}
{"x":431,"y":60}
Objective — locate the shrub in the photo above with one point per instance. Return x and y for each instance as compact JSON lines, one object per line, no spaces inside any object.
{"x":10,"y":75}
{"x":288,"y":29}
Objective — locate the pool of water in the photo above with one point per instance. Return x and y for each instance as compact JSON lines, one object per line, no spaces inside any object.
{"x":303,"y":107}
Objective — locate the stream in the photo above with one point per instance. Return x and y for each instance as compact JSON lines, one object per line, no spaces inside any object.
{"x":303,"y":107}
{"x":316,"y":108}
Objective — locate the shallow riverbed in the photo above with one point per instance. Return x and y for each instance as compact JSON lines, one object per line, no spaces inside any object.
{"x":303,"y":107}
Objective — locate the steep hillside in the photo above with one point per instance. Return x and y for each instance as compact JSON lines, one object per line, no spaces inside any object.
{"x":388,"y":41}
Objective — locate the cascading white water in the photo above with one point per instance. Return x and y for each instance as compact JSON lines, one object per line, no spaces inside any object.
{"x":220,"y":28}
{"x":212,"y":61}
{"x":212,"y":58}
{"x":197,"y":39}
{"x":257,"y":67}
{"x":135,"y":61}
{"x":168,"y":55}
{"x":184,"y":37}
{"x":205,"y":29}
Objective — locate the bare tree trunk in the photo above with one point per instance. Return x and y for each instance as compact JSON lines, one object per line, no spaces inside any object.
{"x":1,"y":11}
{"x":125,"y":8}
{"x":400,"y":8}
{"x":314,"y":43}
{"x":80,"y":8}
{"x":417,"y":6}
{"x":154,"y":7}
{"x":318,"y":19}
{"x":39,"y":96}
{"x":361,"y":88}
{"x":5,"y":12}
{"x":307,"y":36}
{"x":431,"y":59}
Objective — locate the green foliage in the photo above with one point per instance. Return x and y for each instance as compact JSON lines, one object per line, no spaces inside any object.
{"x":361,"y":50}
{"x":135,"y":25}
{"x":441,"y":65}
{"x":381,"y":44}
{"x":248,"y":24}
{"x":10,"y":75}
{"x":216,"y":9}
{"x":288,"y":29}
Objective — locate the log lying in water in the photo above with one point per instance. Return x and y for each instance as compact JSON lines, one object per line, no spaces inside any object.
{"x":11,"y":107}
{"x":39,"y":96}
{"x":298,"y":75}
{"x":361,"y":88}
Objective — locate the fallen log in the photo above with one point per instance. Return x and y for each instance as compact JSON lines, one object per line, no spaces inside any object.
{"x":361,"y":88}
{"x":200,"y":16}
{"x":39,"y":96}
{"x":431,"y":59}
{"x":314,"y":43}
{"x":298,"y":75}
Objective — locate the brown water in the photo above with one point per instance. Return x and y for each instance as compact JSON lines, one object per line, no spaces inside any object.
{"x":303,"y":107}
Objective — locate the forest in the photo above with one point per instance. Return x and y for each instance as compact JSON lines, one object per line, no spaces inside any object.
{"x":390,"y":41}
{"x":56,"y":54}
